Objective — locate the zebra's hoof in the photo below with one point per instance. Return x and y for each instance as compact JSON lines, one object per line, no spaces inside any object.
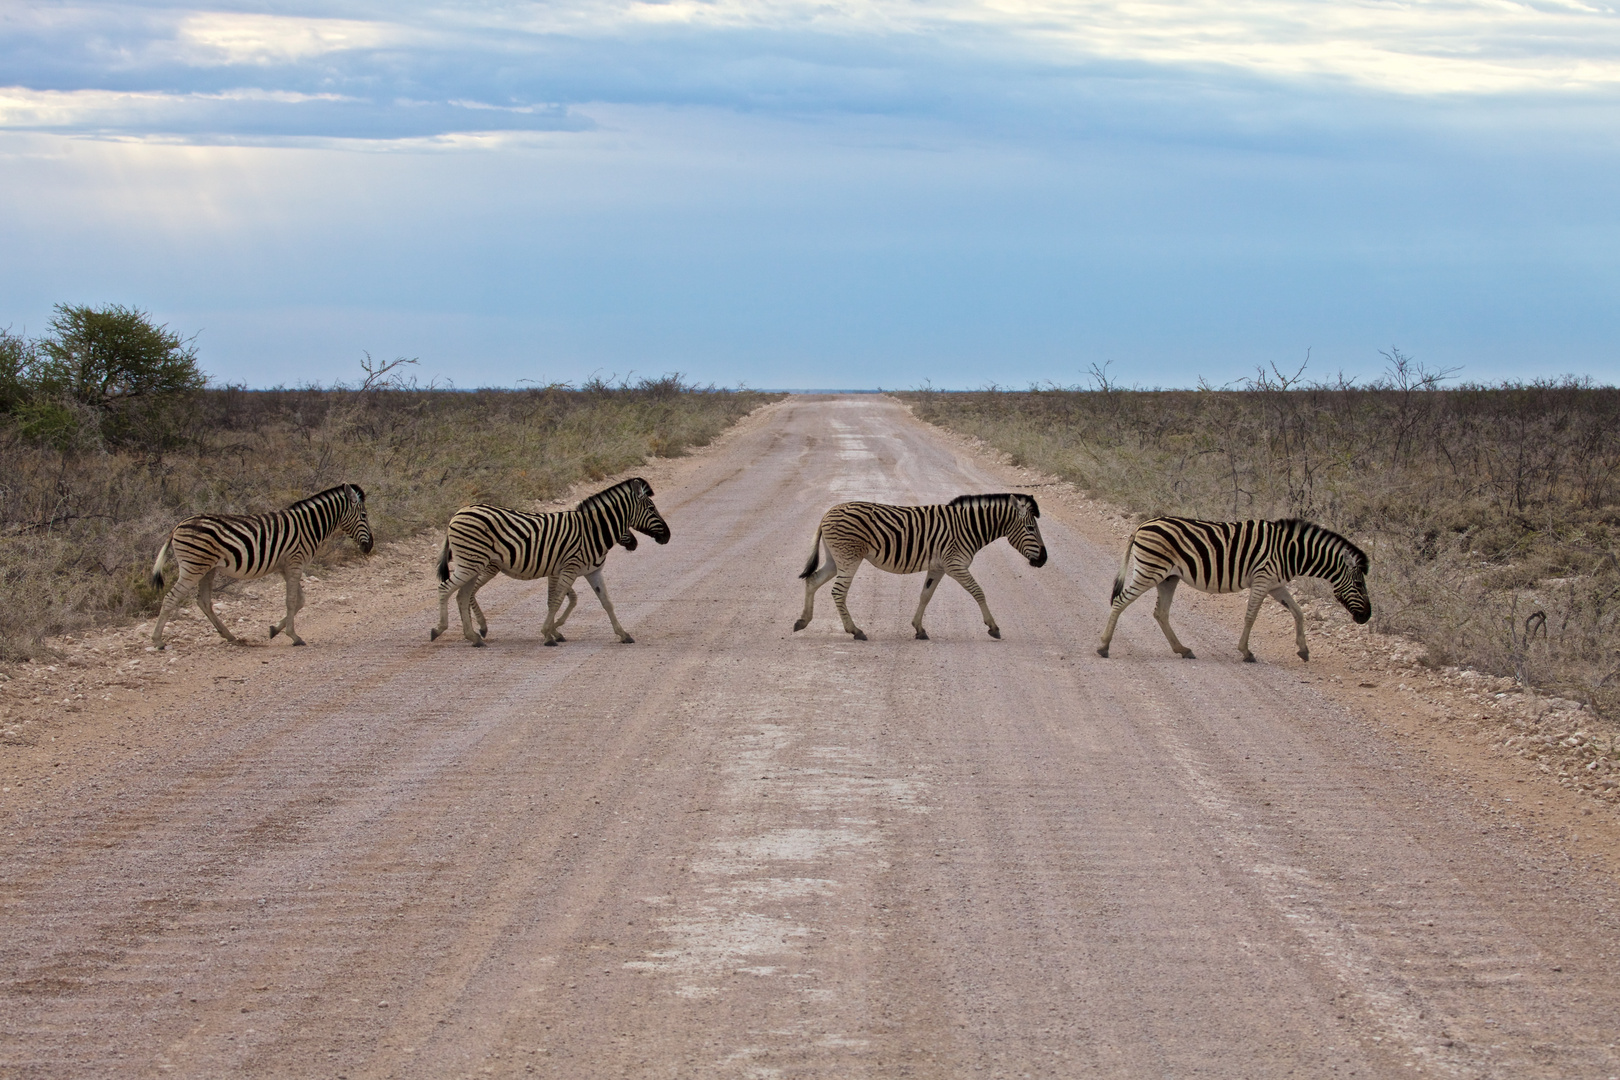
{"x":1188,"y":655}
{"x":558,"y":639}
{"x":433,"y":635}
{"x":922,"y":635}
{"x":1304,"y":654}
{"x":479,"y":643}
{"x":800,"y":625}
{"x":1248,"y":658}
{"x":274,"y":630}
{"x":995,"y":632}
{"x":859,"y":635}
{"x":1102,"y":651}
{"x":627,"y":640}
{"x":551,"y":644}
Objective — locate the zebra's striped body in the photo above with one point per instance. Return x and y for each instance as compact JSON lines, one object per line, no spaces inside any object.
{"x":252,"y":546}
{"x":939,"y":540}
{"x":483,"y":541}
{"x":1229,"y":556}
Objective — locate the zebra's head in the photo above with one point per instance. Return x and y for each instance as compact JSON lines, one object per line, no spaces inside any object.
{"x":1025,"y":534}
{"x":644,"y":516}
{"x":1015,"y":513}
{"x":353,"y":520}
{"x":1345,"y":567}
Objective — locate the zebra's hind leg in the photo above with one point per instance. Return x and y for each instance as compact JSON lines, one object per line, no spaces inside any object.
{"x":1161,"y":612}
{"x":841,"y":599}
{"x":205,"y":600}
{"x":935,"y":576}
{"x":600,"y":586}
{"x":171,"y":604}
{"x":826,"y":573}
{"x":294,"y":577}
{"x":1281,"y":595}
{"x":1122,"y":600}
{"x":963,"y":578}
{"x":479,"y":582}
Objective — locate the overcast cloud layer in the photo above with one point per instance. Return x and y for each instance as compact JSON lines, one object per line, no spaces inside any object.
{"x":797,"y":194}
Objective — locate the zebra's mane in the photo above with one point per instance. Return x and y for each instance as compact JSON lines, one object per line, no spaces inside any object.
{"x":998,"y":499}
{"x":328,"y":494}
{"x":635,"y":485}
{"x":1299,"y":526}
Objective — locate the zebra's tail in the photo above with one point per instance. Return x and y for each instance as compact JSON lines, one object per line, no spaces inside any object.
{"x":157,"y":567}
{"x":815,"y":556}
{"x":444,"y":561}
{"x":1124,"y":567}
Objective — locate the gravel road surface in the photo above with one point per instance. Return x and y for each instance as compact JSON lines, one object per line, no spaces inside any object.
{"x":729,"y":850}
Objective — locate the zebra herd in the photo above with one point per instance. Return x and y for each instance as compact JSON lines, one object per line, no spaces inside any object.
{"x":483,"y":541}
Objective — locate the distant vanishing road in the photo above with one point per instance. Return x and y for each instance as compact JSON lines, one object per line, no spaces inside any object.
{"x":729,"y":850}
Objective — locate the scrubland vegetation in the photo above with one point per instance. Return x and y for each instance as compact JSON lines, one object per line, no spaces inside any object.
{"x":1491,"y":513}
{"x":89,"y":488}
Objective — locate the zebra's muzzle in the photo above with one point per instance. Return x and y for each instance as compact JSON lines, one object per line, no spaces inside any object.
{"x":1039,"y":560}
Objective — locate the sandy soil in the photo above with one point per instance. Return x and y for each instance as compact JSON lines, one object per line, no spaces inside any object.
{"x":733,"y":851}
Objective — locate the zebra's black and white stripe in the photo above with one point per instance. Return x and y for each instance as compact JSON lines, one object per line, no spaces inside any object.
{"x":940,"y":540}
{"x":251,"y":546}
{"x":1228,"y":556}
{"x":483,"y":541}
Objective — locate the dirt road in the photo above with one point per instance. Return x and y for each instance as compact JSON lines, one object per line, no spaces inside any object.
{"x":729,"y":850}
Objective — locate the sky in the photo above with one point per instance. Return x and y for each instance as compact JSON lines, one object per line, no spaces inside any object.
{"x":844,"y":194}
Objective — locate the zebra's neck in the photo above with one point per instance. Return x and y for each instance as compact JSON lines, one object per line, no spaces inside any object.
{"x":1312,"y":551}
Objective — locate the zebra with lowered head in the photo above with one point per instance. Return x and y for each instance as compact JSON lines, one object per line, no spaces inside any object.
{"x":940,"y":540}
{"x":251,"y":546}
{"x":1228,"y":556}
{"x":483,"y":541}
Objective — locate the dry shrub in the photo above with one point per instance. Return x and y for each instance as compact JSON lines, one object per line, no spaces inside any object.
{"x":1490,"y":513}
{"x":79,"y":526}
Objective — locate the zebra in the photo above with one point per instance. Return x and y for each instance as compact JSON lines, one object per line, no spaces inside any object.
{"x":938,"y":539}
{"x":251,"y":546}
{"x":484,"y":541}
{"x":1228,"y":556}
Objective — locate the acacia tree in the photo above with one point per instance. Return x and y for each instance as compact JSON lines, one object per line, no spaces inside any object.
{"x":116,"y":363}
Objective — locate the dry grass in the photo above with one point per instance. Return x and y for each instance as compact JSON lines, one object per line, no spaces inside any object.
{"x":79,"y":527}
{"x":1492,"y":515}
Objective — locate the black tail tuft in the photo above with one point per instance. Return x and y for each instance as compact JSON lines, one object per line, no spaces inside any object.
{"x":814,"y":564}
{"x":444,"y":561}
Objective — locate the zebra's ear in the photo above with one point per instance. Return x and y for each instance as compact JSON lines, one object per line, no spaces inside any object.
{"x":1034,"y":507}
{"x":646,"y":487}
{"x":359,"y":492}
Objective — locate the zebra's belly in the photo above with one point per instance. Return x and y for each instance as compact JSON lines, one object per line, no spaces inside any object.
{"x":912,"y":566}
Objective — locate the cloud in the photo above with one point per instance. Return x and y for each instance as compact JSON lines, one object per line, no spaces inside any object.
{"x":446,"y":69}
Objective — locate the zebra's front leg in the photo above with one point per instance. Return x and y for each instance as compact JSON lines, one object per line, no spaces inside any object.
{"x":205,"y":600}
{"x":573,"y":602}
{"x":936,"y":574}
{"x":1281,"y":595}
{"x":827,"y":571}
{"x":1257,"y":597}
{"x":963,"y":578}
{"x":293,"y":576}
{"x":600,"y":587}
{"x":1161,"y":613}
{"x":561,"y":584}
{"x":841,"y":599}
